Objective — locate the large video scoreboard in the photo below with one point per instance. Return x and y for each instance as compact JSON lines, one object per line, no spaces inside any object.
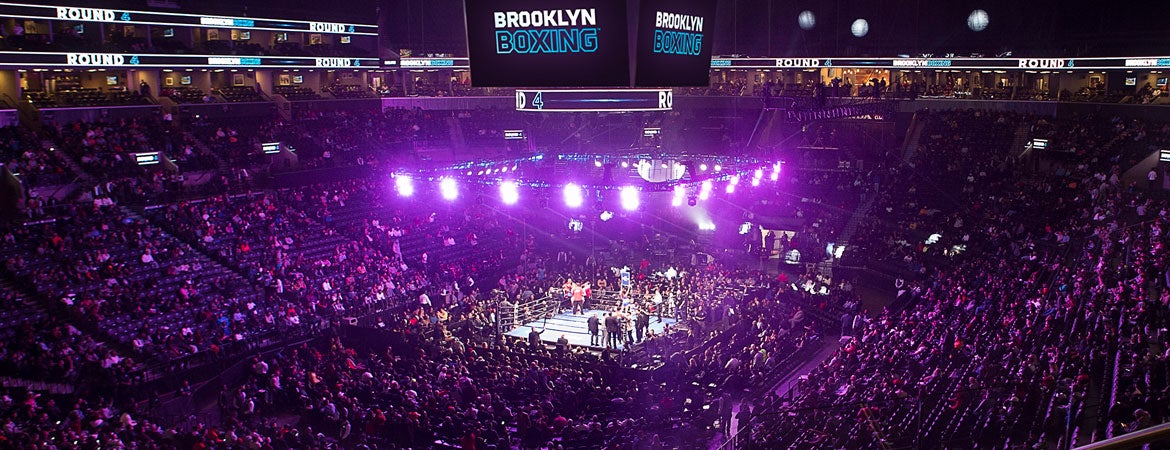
{"x":589,"y":42}
{"x":529,"y":43}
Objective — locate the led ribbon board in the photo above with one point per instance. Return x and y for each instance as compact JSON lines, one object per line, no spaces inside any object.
{"x":674,"y":40}
{"x":945,"y":63}
{"x":594,"y":100}
{"x":538,"y":43}
{"x":108,"y":60}
{"x":133,"y":17}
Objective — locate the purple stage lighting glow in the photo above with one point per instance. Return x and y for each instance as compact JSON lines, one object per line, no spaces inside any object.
{"x":596,"y":163}
{"x":703,"y":166}
{"x":509,"y":192}
{"x":625,"y":164}
{"x":448,"y":189}
{"x":775,"y":176}
{"x":759,"y":173}
{"x":705,"y":190}
{"x":574,"y":196}
{"x":718,"y":168}
{"x":679,"y":193}
{"x":756,"y":181}
{"x":629,"y":197}
{"x":730,"y":188}
{"x":405,"y":185}
{"x":734,"y":180}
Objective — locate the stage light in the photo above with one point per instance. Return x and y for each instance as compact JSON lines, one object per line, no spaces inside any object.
{"x":574,"y":196}
{"x":505,"y":169}
{"x":629,"y":196}
{"x":705,"y":191}
{"x":718,"y":168}
{"x":730,"y":188}
{"x":734,"y":180}
{"x":860,"y":28}
{"x":625,"y":164}
{"x":706,"y":225}
{"x":509,"y":192}
{"x":756,"y":181}
{"x":759,"y":173}
{"x":807,"y":20}
{"x":978,"y":20}
{"x":692,"y":201}
{"x":775,"y":176}
{"x":679,"y":193}
{"x":776,"y":168}
{"x":596,"y":163}
{"x":448,"y":189}
{"x":606,"y":215}
{"x":404,"y":184}
{"x":703,"y":166}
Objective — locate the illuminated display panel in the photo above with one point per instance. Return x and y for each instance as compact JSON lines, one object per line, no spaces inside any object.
{"x":134,"y":17}
{"x":594,"y":100}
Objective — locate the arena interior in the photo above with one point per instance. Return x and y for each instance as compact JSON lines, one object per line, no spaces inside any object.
{"x":584,"y":224}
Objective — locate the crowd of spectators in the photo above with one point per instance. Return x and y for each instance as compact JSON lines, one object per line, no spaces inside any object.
{"x":22,"y":154}
{"x":1011,"y":343}
{"x":1015,"y":327}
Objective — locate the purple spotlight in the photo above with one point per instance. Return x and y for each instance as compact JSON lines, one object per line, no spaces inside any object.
{"x":574,"y":196}
{"x":705,"y":190}
{"x":509,"y":192}
{"x":759,"y":173}
{"x":448,"y":189}
{"x":679,"y":193}
{"x":756,"y":181}
{"x":404,"y":184}
{"x":629,"y":196}
{"x":734,"y":180}
{"x":775,"y":176}
{"x":730,"y":188}
{"x":703,"y":166}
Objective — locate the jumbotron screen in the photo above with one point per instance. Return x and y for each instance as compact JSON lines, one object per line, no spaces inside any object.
{"x":674,"y":43}
{"x":548,"y":43}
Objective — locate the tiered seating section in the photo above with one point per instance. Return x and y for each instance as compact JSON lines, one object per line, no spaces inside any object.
{"x":1012,"y":346}
{"x":1034,"y":320}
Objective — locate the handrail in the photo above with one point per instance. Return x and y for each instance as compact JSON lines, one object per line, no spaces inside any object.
{"x":1132,"y":439}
